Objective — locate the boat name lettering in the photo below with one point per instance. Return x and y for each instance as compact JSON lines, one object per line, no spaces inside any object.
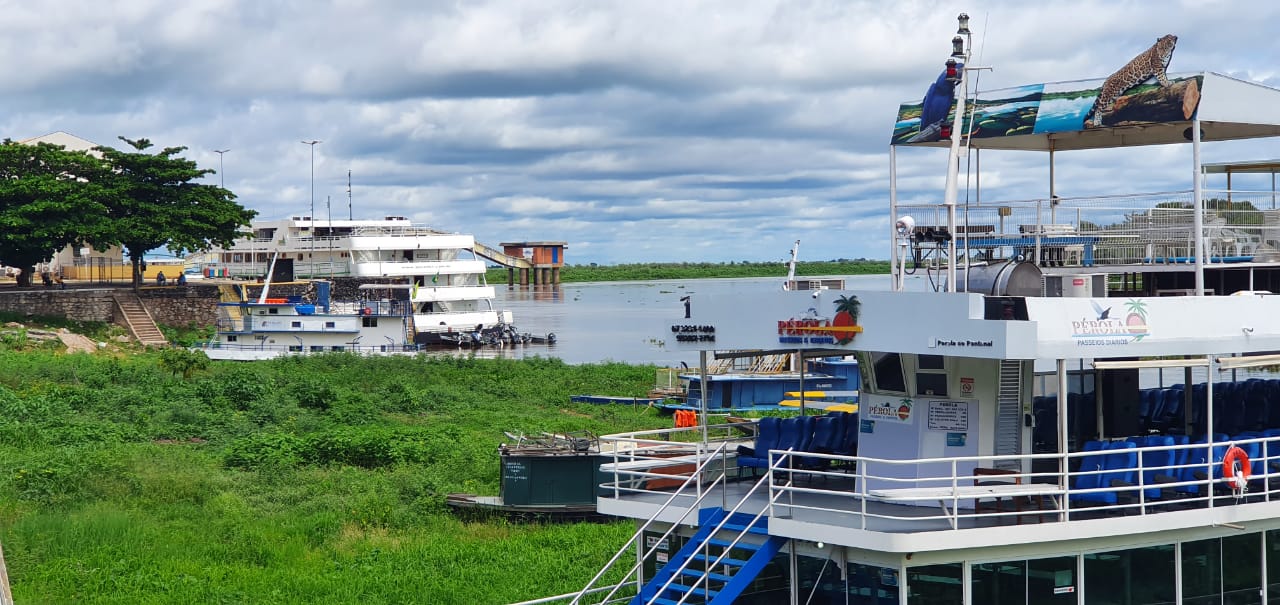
{"x":961,"y":342}
{"x":1099,"y":327}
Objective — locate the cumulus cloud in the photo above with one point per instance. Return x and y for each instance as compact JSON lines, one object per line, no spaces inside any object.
{"x":636,"y":131}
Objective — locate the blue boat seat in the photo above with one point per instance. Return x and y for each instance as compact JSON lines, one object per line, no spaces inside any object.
{"x":1089,"y":464}
{"x":768,"y":433}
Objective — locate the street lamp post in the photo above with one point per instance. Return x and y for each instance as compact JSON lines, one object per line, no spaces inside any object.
{"x":222,"y":179}
{"x":313,"y":206}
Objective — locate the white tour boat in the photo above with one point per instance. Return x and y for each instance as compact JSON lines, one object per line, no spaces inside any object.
{"x":1071,"y":413}
{"x":438,"y":272}
{"x":267,"y":327}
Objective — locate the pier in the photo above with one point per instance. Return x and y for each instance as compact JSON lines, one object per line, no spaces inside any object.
{"x":538,"y":263}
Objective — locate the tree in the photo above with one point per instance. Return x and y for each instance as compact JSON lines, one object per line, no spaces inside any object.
{"x":49,"y":199}
{"x":152,"y":202}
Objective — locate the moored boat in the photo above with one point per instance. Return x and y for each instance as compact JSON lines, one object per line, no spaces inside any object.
{"x":310,"y":322}
{"x":1069,"y":414}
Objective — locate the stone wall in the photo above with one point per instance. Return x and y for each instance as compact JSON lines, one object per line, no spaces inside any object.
{"x":175,"y":306}
{"x":196,"y":303}
{"x":182,"y":305}
{"x":86,"y":305}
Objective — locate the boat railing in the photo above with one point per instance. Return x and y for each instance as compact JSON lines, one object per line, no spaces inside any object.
{"x":316,"y":349}
{"x":1109,"y":478}
{"x":1149,"y":228}
{"x":407,"y":231}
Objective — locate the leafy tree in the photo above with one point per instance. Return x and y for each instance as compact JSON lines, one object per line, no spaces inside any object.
{"x":152,"y":202}
{"x":183,"y":362}
{"x":50,"y":198}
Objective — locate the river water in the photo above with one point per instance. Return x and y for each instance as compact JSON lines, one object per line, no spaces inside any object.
{"x":610,"y":321}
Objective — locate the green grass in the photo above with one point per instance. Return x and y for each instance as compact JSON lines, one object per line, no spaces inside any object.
{"x":301,"y":480}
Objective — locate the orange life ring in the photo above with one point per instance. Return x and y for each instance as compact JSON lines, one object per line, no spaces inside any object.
{"x":1237,"y":478}
{"x":366,"y":311}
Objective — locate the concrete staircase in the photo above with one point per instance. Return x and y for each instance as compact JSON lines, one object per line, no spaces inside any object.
{"x":139,"y":321}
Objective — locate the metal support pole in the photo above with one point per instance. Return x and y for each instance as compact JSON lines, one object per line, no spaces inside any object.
{"x":1198,"y":197}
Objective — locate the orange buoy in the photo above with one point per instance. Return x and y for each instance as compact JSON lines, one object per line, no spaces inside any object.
{"x":1236,"y":468}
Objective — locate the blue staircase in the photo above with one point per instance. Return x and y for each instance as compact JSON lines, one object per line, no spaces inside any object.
{"x":739,"y":563}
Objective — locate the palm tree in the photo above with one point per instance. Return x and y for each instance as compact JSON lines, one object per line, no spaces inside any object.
{"x":850,"y":305}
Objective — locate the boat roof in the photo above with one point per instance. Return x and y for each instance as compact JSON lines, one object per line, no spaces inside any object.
{"x":1050,"y":116}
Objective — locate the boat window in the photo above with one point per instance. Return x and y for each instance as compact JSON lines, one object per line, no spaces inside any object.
{"x":1201,"y":572}
{"x":317,"y":349}
{"x":930,"y":362}
{"x":329,"y":324}
{"x":1242,"y":575}
{"x":295,"y":348}
{"x":935,"y":584}
{"x":887,"y":368}
{"x":1004,"y":583}
{"x":296,"y":324}
{"x":1122,"y":576}
{"x":931,"y":383}
{"x":231,"y":337}
{"x":369,"y":322}
{"x":337,"y":348}
{"x":1273,"y":565}
{"x":273,"y":311}
{"x":1051,"y":581}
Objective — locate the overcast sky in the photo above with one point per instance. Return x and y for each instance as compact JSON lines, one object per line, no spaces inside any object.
{"x":643,"y":130}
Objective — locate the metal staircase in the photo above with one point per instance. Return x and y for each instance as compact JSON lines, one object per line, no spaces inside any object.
{"x":715,"y":566}
{"x":139,"y":320}
{"x":500,"y":257}
{"x":717,"y":563}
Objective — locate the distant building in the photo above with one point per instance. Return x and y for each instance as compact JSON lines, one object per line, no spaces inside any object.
{"x":82,"y":262}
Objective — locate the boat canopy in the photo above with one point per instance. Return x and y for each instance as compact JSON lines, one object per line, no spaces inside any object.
{"x":1053,"y":116}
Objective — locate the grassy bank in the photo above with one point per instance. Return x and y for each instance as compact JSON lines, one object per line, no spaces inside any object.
{"x":302,"y":480}
{"x":652,"y":271}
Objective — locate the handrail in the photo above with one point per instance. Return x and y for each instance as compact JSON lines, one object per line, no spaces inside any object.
{"x":725,"y":521}
{"x":953,"y":486}
{"x":696,"y":474}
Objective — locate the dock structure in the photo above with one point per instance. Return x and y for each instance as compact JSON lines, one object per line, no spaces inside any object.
{"x":538,"y":263}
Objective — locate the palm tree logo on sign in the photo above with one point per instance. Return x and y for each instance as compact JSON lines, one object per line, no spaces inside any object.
{"x":845,"y":323}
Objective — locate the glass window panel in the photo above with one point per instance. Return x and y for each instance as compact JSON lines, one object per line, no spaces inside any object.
{"x":888,"y":371}
{"x":873,"y":585}
{"x":819,"y":580}
{"x":1051,"y":581}
{"x":1201,"y":573}
{"x":930,"y":362}
{"x":1273,"y":566}
{"x":931,"y":384}
{"x":1000,"y":583}
{"x":1242,"y":569}
{"x":935,"y":584}
{"x":1125,"y":577}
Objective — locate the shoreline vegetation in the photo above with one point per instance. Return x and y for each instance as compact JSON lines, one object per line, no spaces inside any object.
{"x":656,"y":271}
{"x":126,"y":477}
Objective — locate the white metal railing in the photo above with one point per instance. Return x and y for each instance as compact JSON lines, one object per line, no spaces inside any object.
{"x":930,"y":494}
{"x":1149,"y":228}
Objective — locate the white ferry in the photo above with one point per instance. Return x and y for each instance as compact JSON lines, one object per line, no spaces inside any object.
{"x":438,"y":272}
{"x":264,"y":327}
{"x":1045,"y":424}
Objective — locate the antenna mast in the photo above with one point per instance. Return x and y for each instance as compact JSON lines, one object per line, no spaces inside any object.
{"x":349,"y":215}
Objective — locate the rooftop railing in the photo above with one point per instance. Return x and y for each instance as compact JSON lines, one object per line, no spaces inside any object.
{"x":1152,"y":228}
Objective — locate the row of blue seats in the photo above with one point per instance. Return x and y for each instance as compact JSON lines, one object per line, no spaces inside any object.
{"x":833,"y":433}
{"x":1118,"y":464}
{"x":1248,"y":405}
